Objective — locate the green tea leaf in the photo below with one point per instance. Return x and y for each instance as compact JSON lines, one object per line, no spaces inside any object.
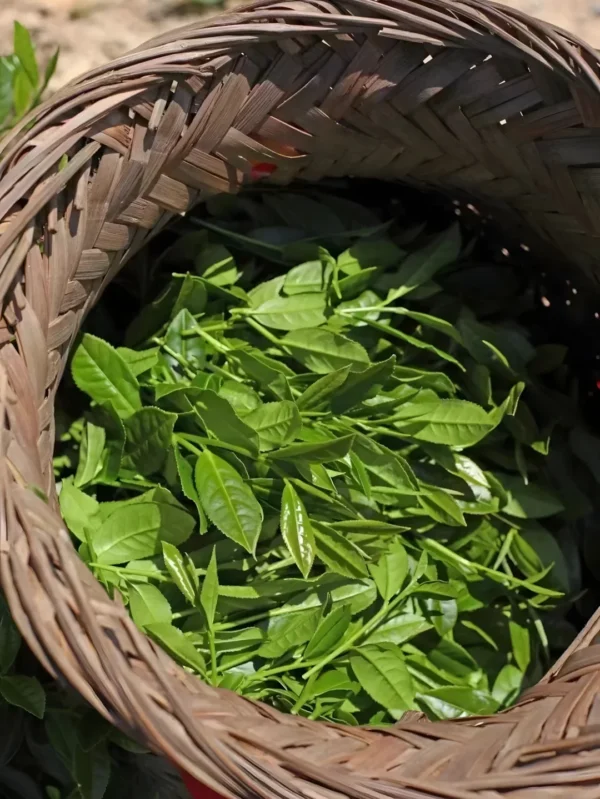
{"x":539,"y":547}
{"x":319,"y":452}
{"x":359,"y":385}
{"x":242,"y":398}
{"x":520,"y":638}
{"x":209,"y":593}
{"x":229,"y":503}
{"x":382,"y":673}
{"x":177,"y":645}
{"x":176,"y":524}
{"x":148,"y":434}
{"x":152,"y":316}
{"x":131,"y":532}
{"x":530,"y":501}
{"x":106,"y":416}
{"x":322,"y":351}
{"x":139,"y":361}
{"x":443,"y":614}
{"x":389,"y":467}
{"x":191,"y":350}
{"x":292,"y":313}
{"x":8,"y":64}
{"x":427,"y":320}
{"x":188,"y":486}
{"x":455,"y":701}
{"x":507,"y":685}
{"x":290,"y":631}
{"x":380,"y":253}
{"x":148,"y":605}
{"x":261,"y":368}
{"x":337,"y":553}
{"x":176,"y":567}
{"x":101,"y":372}
{"x":192,"y":296}
{"x":275,"y":422}
{"x":442,"y":507}
{"x":24,"y":692}
{"x":90,"y":454}
{"x":91,"y":771}
{"x":435,"y":588}
{"x":390,"y":571}
{"x":358,"y":284}
{"x":239,"y":640}
{"x":221,"y":421}
{"x":215,"y":263}
{"x":454,"y":422}
{"x":322,"y":389}
{"x":420,"y":266}
{"x":329,"y":633}
{"x":268,"y":290}
{"x":400,"y":629}
{"x":77,"y":508}
{"x":422,"y":378}
{"x":296,"y":529}
{"x":22,"y":90}
{"x":305,"y":278}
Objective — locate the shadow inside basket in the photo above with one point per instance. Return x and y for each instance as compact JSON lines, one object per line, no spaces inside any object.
{"x":335,"y":448}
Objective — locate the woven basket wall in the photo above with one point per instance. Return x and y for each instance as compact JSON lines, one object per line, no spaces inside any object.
{"x":465,"y":96}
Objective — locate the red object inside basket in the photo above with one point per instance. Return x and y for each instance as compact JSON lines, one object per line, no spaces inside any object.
{"x":262,"y":170}
{"x":197,"y":790}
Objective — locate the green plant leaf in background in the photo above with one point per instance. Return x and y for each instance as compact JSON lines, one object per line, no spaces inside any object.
{"x":26,"y":54}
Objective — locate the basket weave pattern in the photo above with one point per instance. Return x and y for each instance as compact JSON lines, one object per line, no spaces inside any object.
{"x":469,"y":97}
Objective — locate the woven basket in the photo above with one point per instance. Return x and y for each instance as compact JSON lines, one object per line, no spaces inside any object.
{"x":467,"y":96}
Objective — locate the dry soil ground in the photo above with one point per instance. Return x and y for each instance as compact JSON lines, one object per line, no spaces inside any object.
{"x":91,"y":32}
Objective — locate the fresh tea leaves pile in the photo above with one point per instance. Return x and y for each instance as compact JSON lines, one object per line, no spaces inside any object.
{"x":317,"y":478}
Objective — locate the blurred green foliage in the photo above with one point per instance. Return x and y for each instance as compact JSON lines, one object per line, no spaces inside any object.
{"x":22,"y":82}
